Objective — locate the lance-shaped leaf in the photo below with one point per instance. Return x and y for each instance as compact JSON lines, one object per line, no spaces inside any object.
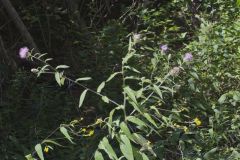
{"x":38,"y":149}
{"x":62,"y":67}
{"x":100,"y":87}
{"x":83,"y":79}
{"x":130,"y":94}
{"x":65,"y":133}
{"x":98,"y":156}
{"x":126,"y":147}
{"x":82,"y":97}
{"x":105,"y":99}
{"x":112,"y":76}
{"x":104,"y":145}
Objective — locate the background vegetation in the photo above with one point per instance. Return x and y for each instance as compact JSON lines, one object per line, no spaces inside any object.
{"x":164,"y":80}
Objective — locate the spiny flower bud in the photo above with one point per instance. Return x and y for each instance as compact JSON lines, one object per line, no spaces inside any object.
{"x":175,"y":71}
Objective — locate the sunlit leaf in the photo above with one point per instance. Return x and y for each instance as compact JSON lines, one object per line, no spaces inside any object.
{"x":105,"y":99}
{"x":104,"y":145}
{"x":62,"y":67}
{"x":112,"y":76}
{"x":158,"y":91}
{"x":82,"y":97}
{"x":100,"y":87}
{"x":98,"y":156}
{"x":65,"y":133}
{"x":126,"y":130}
{"x":58,"y":78}
{"x":29,"y":157}
{"x":38,"y":149}
{"x":83,"y":79}
{"x":126,"y":147}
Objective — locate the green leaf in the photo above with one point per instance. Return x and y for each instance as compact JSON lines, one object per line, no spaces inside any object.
{"x":100,"y":87}
{"x":53,"y":142}
{"x":130,"y":94}
{"x":135,"y":106}
{"x":126,"y":58}
{"x":105,"y":99}
{"x":98,"y":156}
{"x":144,"y":156}
{"x":82,"y":97}
{"x":222,"y":99}
{"x":110,"y":120}
{"x":136,"y":121}
{"x":38,"y":149}
{"x":139,"y":93}
{"x":194,"y":74}
{"x":62,"y":81}
{"x":210,"y":153}
{"x":29,"y":157}
{"x":132,"y":69}
{"x":235,"y":155}
{"x":65,"y":133}
{"x":238,"y":3}
{"x":149,"y":118}
{"x":112,"y":76}
{"x":58,"y":78}
{"x":140,"y":139}
{"x":104,"y":145}
{"x":136,"y":153}
{"x":126,"y":147}
{"x":125,"y":130}
{"x":62,"y":67}
{"x":83,"y":79}
{"x":144,"y":143}
{"x":158,"y":91}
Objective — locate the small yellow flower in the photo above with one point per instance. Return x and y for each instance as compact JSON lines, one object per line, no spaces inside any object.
{"x":197,"y":121}
{"x":46,"y":149}
{"x":84,"y":130}
{"x":91,"y":133}
{"x":185,"y":129}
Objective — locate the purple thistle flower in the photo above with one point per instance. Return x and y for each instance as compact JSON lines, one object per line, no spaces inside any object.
{"x":23,"y":52}
{"x":188,"y":57}
{"x":164,"y":48}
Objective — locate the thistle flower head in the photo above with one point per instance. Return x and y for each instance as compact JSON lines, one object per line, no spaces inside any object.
{"x":164,"y":48}
{"x":23,"y":52}
{"x":188,"y":57}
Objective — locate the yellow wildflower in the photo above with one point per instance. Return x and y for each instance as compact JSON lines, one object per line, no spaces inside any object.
{"x":91,"y":133}
{"x":46,"y":149}
{"x":84,"y":130}
{"x":197,"y":121}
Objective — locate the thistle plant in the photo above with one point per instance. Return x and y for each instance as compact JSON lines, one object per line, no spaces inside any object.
{"x":141,"y":116}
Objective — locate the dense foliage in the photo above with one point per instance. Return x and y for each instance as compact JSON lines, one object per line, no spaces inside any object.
{"x":125,"y":80}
